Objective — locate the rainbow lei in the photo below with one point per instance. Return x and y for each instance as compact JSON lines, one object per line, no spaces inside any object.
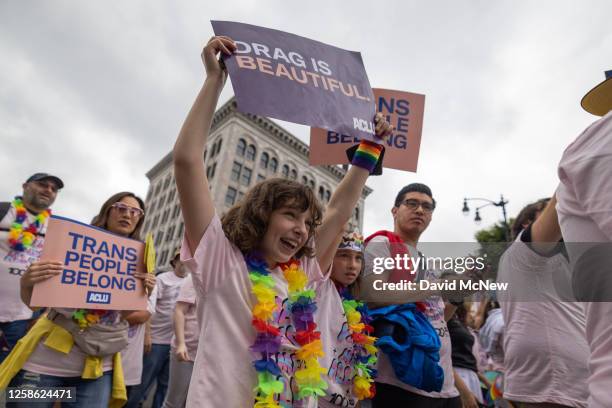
{"x":364,"y":350}
{"x":19,"y":238}
{"x":268,"y":340}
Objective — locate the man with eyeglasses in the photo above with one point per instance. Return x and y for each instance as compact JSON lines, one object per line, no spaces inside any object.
{"x":23,"y":223}
{"x":412,"y":213}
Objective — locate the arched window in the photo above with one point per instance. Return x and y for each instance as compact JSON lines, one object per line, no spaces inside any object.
{"x":240,"y":149}
{"x":250,"y":152}
{"x":273,"y":165}
{"x":321,"y":193}
{"x":293,"y":174}
{"x":357,"y":214}
{"x":285,"y":170}
{"x":263,"y":162}
{"x":311,"y":184}
{"x":327,"y":195}
{"x":304,"y":180}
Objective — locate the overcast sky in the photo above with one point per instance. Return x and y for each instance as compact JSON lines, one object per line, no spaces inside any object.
{"x":96,"y":92}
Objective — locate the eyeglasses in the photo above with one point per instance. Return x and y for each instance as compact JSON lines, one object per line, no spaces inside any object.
{"x":126,"y":209}
{"x":413,"y":204}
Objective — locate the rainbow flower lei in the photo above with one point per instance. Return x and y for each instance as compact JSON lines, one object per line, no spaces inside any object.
{"x":19,"y":238}
{"x":268,"y":340}
{"x":364,"y":350}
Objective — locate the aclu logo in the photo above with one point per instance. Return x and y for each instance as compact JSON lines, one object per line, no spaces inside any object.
{"x":98,"y":297}
{"x":363,"y":125}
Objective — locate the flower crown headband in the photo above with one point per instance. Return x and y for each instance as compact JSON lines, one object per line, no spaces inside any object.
{"x":352,"y":241}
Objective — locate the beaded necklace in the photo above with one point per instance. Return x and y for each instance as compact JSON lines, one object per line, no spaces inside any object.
{"x":268,"y":340}
{"x":21,"y":238}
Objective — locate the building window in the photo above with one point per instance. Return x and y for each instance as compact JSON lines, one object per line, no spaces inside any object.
{"x":157,"y":188}
{"x":162,"y":258}
{"x":159,"y":237}
{"x":205,"y":151}
{"x":293,"y":174}
{"x":265,"y":159}
{"x":146,"y":226}
{"x":357,"y":214}
{"x":321,"y":193}
{"x":240,"y":149}
{"x":155,"y":221}
{"x":260,"y":178}
{"x":236,"y":168}
{"x":149,"y":193}
{"x":171,"y":195}
{"x":245,"y":180}
{"x":311,"y":184}
{"x":212,"y":171}
{"x":165,"y":216}
{"x":230,"y":196}
{"x":273,"y":165}
{"x":240,"y":195}
{"x":219,"y":143}
{"x":285,"y":170}
{"x":167,"y":182}
{"x":250,"y":152}
{"x":327,"y":195}
{"x":170,"y":234}
{"x":180,"y":230}
{"x":177,"y":210}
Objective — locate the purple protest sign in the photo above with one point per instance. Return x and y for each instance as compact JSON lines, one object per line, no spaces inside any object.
{"x":292,"y":78}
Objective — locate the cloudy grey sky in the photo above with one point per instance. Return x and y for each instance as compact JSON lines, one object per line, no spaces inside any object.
{"x":96,"y":92}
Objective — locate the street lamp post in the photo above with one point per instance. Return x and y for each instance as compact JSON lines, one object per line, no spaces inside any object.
{"x":501,"y":203}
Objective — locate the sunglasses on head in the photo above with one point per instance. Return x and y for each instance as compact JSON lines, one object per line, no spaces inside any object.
{"x":126,"y":209}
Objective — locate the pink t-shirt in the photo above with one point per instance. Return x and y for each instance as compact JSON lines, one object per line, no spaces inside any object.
{"x":168,"y":285}
{"x":12,"y":265}
{"x":545,"y":348}
{"x":223,"y":374}
{"x":131,"y":356}
{"x":584,"y":207}
{"x":187,"y":295}
{"x":45,"y":360}
{"x":339,"y":359}
{"x":434,"y":310}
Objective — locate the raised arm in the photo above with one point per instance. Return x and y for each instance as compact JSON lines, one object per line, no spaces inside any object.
{"x":191,"y":181}
{"x":342,"y":203}
{"x":545,"y":230}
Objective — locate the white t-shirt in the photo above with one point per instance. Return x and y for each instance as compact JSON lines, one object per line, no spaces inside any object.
{"x":545,"y":348}
{"x":379,"y":247}
{"x":168,"y":285}
{"x":12,"y":265}
{"x":584,"y":206}
{"x":131,"y":356}
{"x":187,"y":295}
{"x":223,"y":373}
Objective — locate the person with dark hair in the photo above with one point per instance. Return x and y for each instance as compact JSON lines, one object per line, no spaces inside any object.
{"x":252,"y":270}
{"x":50,"y":357}
{"x":545,"y":349}
{"x":585,"y":216}
{"x":412,"y":212}
{"x":23,"y":223}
